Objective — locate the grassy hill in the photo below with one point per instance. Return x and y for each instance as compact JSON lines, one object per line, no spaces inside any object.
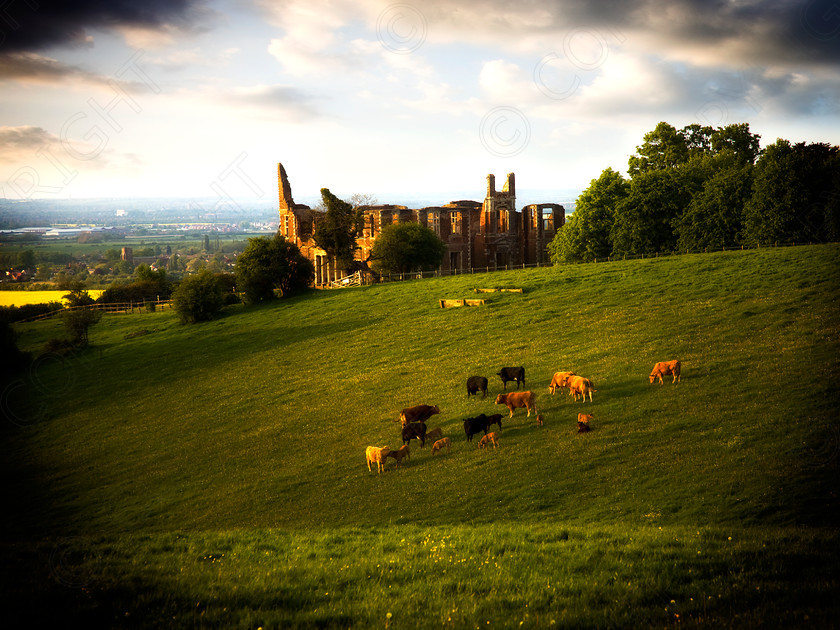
{"x":214,"y":474}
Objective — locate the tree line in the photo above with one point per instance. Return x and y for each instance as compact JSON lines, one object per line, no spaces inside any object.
{"x":700,"y":188}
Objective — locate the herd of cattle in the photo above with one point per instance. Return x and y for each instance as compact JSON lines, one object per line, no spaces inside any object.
{"x":413,"y":419}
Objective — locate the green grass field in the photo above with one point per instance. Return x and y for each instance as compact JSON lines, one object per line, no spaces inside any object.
{"x":214,"y":475}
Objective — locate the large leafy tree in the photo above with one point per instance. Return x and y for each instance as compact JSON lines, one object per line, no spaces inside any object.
{"x":336,"y":230}
{"x":713,"y":218}
{"x":269,"y":264}
{"x":796,"y":194}
{"x":405,"y":247}
{"x":644,"y":220}
{"x":663,"y":148}
{"x":586,"y":235}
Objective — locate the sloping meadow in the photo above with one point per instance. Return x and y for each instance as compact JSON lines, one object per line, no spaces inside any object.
{"x":258,"y":422}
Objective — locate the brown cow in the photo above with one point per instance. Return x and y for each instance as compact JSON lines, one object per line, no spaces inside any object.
{"x":418,"y":413}
{"x":440,"y":445}
{"x":401,"y":453}
{"x":559,"y":381}
{"x":582,"y":386}
{"x":515,"y":400}
{"x":434,"y":435}
{"x":490,"y":438}
{"x":666,"y":368}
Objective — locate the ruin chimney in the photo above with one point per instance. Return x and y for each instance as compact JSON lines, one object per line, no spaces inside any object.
{"x":491,"y":185}
{"x":284,"y":189}
{"x":510,"y":184}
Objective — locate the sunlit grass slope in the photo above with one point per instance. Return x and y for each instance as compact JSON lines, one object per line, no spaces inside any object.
{"x":257,"y":422}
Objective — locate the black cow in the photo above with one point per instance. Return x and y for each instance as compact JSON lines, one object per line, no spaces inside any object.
{"x":414,"y":430}
{"x":476,"y":383}
{"x":474,"y":425}
{"x":512,"y":374}
{"x":496,"y":418}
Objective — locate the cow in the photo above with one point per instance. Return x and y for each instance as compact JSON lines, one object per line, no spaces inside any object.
{"x":474,"y":425}
{"x":512,"y":374}
{"x":434,"y":434}
{"x":559,"y":381}
{"x":666,"y":368}
{"x":476,"y":384}
{"x":415,"y":430}
{"x":583,"y":422}
{"x":401,"y":453}
{"x":515,"y":400}
{"x":418,"y":413}
{"x":377,"y":455}
{"x":496,"y":418}
{"x":440,"y":445}
{"x":490,"y":438}
{"x":579,"y":385}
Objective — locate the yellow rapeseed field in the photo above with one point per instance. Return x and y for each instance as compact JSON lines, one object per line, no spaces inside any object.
{"x":19,"y":298}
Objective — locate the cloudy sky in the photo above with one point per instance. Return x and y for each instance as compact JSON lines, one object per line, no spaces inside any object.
{"x":202,"y":98}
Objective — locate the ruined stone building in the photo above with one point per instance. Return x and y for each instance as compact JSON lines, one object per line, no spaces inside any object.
{"x":477,"y":234}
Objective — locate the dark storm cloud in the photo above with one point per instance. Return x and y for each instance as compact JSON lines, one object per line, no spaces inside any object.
{"x":35,"y":25}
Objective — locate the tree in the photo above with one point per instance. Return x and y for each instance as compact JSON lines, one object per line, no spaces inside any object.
{"x":198,"y":297}
{"x":645,"y":219}
{"x":664,"y":147}
{"x":713,"y":218}
{"x":406,"y":247}
{"x":796,"y":194}
{"x":335,"y":231}
{"x":270,"y":264}
{"x":78,"y":322}
{"x":586,"y":235}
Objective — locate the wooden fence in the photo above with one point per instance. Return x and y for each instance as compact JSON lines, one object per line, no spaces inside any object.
{"x":147,"y":306}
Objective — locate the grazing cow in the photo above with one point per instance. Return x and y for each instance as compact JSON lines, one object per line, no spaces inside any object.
{"x":418,"y":413}
{"x":440,"y":445}
{"x":377,"y":455}
{"x":490,"y":438}
{"x":512,"y":374}
{"x":559,"y":381}
{"x":476,"y":384}
{"x":434,"y":434}
{"x":415,"y":430}
{"x":515,"y":400}
{"x":474,"y":425}
{"x":666,"y":368}
{"x":401,"y":453}
{"x":579,"y":385}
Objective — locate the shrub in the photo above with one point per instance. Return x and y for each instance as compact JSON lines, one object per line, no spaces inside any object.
{"x":198,"y":298}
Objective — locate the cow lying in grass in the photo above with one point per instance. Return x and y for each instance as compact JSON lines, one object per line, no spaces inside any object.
{"x":580,"y":386}
{"x":490,"y":438}
{"x":434,"y":435}
{"x":583,"y":422}
{"x":401,"y":453}
{"x":517,"y":400}
{"x":440,"y":445}
{"x":377,"y":455}
{"x":666,"y":368}
{"x":559,"y":381}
